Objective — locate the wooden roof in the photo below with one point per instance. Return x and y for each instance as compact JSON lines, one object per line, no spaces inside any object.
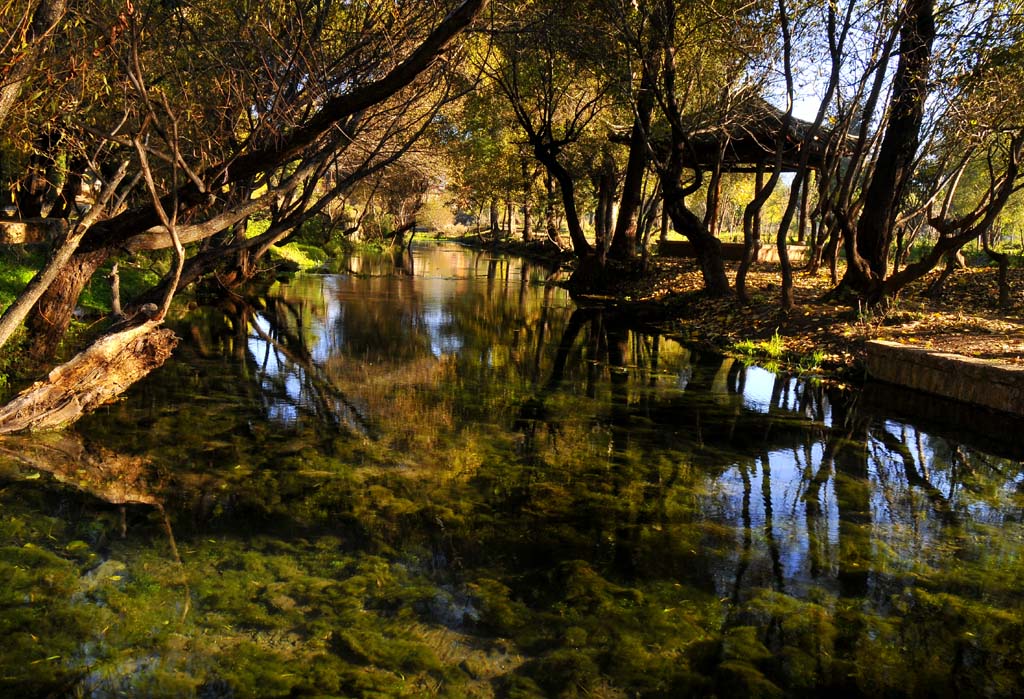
{"x":749,"y":136}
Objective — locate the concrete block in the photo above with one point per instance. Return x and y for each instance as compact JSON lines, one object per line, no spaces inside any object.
{"x":992,"y":384}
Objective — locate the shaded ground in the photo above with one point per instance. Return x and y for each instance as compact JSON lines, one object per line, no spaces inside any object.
{"x":964,"y":320}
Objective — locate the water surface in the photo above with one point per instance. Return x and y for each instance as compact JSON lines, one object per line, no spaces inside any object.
{"x":435,"y":476}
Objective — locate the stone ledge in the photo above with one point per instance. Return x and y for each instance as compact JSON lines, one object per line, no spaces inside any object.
{"x":980,"y":382}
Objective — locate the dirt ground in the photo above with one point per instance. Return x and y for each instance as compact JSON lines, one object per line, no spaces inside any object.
{"x":964,"y":320}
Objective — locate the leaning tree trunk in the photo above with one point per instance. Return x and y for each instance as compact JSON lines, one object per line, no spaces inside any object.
{"x":580,"y":245}
{"x":894,"y":165}
{"x":51,"y":317}
{"x":707,"y":246}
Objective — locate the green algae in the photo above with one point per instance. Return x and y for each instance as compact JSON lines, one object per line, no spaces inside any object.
{"x":464,"y":526}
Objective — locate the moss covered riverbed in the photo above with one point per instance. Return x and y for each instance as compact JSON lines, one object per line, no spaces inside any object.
{"x":456,"y":484}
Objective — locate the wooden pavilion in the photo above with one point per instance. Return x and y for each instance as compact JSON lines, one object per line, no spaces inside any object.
{"x":747,"y":142}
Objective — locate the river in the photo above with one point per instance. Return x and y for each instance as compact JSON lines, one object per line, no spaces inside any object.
{"x":435,"y":476}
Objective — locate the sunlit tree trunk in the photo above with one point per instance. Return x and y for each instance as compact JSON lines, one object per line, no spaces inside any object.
{"x":624,"y":240}
{"x":868,"y":244}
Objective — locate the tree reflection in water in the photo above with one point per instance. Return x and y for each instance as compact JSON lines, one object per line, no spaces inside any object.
{"x":451,"y":482}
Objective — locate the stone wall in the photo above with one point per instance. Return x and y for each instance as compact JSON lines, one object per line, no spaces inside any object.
{"x":31,"y":230}
{"x":995,"y":385}
{"x":734,"y":251}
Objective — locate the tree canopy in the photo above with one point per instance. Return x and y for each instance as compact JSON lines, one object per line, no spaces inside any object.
{"x":150,"y":127}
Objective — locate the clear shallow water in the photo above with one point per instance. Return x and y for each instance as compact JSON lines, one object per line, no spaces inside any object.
{"x":440,"y":478}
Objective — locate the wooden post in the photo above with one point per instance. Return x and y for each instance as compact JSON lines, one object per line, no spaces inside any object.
{"x":758,"y":186}
{"x":805,"y":199}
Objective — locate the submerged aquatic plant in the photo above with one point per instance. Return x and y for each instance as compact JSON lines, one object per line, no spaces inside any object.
{"x":432,"y":508}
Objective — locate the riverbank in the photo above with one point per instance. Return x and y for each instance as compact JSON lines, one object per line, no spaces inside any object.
{"x":964,"y":320}
{"x":827,"y":337}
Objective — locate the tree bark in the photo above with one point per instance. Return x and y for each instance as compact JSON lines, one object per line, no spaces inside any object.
{"x":896,"y":155}
{"x":92,"y":378}
{"x":624,"y":240}
{"x":51,"y":316}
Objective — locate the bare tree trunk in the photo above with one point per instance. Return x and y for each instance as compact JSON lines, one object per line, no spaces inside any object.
{"x":800,"y":182}
{"x":580,"y":245}
{"x":752,"y":231}
{"x":511,"y":216}
{"x":707,"y":246}
{"x":868,"y":253}
{"x":549,"y":209}
{"x":805,"y":199}
{"x":115,"y":292}
{"x":605,"y":187}
{"x":758,"y":188}
{"x":52,"y":314}
{"x":494,"y":225}
{"x":663,"y":234}
{"x":527,"y":200}
{"x":713,"y":205}
{"x":1002,"y":260}
{"x":624,"y":240}
{"x":54,"y":268}
{"x":954,"y":261}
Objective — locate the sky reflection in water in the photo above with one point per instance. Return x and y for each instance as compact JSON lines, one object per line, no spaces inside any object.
{"x":433,"y":475}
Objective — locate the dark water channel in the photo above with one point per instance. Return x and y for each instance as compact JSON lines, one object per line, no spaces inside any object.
{"x":439,"y":478}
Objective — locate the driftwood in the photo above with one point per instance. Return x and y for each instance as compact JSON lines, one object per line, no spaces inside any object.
{"x":95,"y":376}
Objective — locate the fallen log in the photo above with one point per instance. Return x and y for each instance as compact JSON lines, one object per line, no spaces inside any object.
{"x":94,"y":377}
